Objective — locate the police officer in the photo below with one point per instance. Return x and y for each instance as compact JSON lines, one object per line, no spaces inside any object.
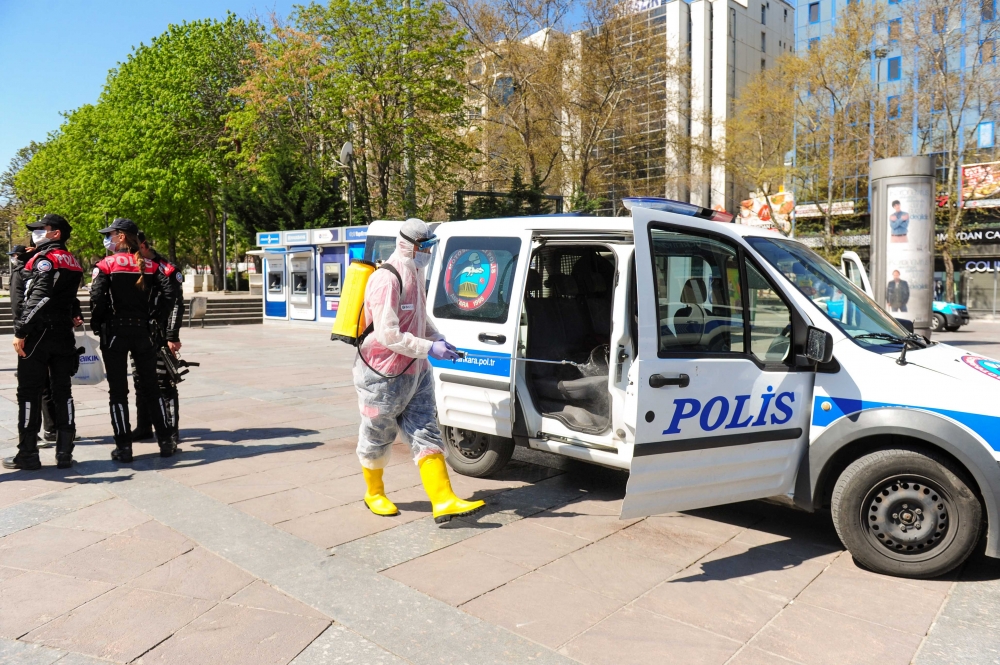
{"x":168,"y":312}
{"x":124,"y":285}
{"x":44,"y":342}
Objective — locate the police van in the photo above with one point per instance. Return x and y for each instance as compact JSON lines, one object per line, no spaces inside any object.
{"x":716,"y":363}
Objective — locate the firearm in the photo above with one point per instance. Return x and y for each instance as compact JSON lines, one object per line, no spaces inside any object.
{"x":176,"y":367}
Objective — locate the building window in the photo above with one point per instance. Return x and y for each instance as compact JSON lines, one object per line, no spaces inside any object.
{"x":940,"y":61}
{"x":813,"y":43}
{"x":814,"y":12}
{"x":988,"y":51}
{"x":937,"y":102}
{"x":893,"y":2}
{"x":984,"y":135}
{"x":763,"y":42}
{"x":763,"y":64}
{"x":786,"y":16}
{"x":895,"y":29}
{"x":893,"y":106}
{"x":987,"y":10}
{"x":763,"y":14}
{"x":939,"y":20}
{"x":895,"y":68}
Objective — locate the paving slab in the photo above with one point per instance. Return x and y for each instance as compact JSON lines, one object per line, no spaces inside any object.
{"x":263,"y":596}
{"x":339,"y":646}
{"x":116,"y":559}
{"x":198,"y":574}
{"x":38,"y":546}
{"x":35,"y":598}
{"x":235,"y":635}
{"x":120,"y":625}
{"x":633,"y":635}
{"x":456,"y":574}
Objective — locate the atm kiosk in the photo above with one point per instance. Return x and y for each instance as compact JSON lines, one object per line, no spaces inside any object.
{"x":331,"y":262}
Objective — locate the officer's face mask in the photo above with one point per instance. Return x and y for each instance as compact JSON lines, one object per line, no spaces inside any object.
{"x":109,"y":244}
{"x":421,"y":259}
{"x":38,"y":236}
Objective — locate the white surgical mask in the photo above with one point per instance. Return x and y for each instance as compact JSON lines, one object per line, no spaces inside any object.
{"x":421,"y":259}
{"x":109,"y":244}
{"x":38,"y":236}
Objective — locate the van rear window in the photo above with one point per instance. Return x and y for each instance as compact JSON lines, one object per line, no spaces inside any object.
{"x":476,"y":278}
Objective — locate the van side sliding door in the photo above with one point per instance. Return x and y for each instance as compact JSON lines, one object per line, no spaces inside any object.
{"x":720,"y":412}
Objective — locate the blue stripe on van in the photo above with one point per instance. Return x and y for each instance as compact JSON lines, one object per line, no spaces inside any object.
{"x":480,"y":362}
{"x":988,"y":427}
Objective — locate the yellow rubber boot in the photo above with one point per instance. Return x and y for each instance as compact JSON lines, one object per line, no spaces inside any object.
{"x":375,"y":497}
{"x":446,"y":505}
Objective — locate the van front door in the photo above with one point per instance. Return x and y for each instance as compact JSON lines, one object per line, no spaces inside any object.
{"x":474,"y":299}
{"x":720,"y":414}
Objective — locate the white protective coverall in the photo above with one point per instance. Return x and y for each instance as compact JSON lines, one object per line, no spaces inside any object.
{"x":398,"y":345}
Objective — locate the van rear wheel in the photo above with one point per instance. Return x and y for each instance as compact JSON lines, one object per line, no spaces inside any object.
{"x":907,"y":513}
{"x":476,"y":454}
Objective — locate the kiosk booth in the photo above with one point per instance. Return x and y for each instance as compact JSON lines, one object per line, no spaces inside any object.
{"x":303,"y":271}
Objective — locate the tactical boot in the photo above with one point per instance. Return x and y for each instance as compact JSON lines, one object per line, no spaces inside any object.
{"x":64,"y":449}
{"x":445,"y":504}
{"x":169,"y":446}
{"x":48,"y":439}
{"x":23,"y":461}
{"x":123,"y":450}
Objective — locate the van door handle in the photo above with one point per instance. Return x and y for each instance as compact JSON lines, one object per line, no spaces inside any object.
{"x":658,"y":381}
{"x":492,"y":339}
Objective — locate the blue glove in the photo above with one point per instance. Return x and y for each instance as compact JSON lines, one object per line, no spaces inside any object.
{"x":442,"y":350}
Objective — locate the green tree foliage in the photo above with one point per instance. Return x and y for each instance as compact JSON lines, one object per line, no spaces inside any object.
{"x":351,"y":70}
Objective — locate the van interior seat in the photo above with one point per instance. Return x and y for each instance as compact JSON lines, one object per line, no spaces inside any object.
{"x":689,"y":321}
{"x":568,"y":310}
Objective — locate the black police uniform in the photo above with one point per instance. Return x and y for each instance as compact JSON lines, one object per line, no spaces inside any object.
{"x":45,"y":323}
{"x":18,"y":277}
{"x":120,"y":311}
{"x":168,"y":312}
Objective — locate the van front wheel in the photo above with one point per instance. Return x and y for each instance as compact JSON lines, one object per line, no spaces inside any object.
{"x":907,"y":513}
{"x":476,"y":454}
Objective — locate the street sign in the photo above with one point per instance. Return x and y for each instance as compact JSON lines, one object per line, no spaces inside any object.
{"x":268,"y":238}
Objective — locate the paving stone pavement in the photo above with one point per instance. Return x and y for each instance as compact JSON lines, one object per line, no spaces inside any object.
{"x":253,"y":546}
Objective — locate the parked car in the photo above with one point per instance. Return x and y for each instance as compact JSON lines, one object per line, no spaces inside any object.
{"x":948,"y":316}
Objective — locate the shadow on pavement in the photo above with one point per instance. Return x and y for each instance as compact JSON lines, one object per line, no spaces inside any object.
{"x":198,"y":447}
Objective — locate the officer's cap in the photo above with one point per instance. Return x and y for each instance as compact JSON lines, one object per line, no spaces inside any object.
{"x":122,"y":224}
{"x":56,"y":222}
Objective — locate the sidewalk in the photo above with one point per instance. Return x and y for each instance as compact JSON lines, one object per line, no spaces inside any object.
{"x":253,"y":546}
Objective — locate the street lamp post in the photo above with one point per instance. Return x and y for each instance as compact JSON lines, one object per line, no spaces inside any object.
{"x":877,"y":55}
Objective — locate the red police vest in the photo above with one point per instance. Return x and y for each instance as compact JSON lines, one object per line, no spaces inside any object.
{"x":57,"y":258}
{"x":124,"y":262}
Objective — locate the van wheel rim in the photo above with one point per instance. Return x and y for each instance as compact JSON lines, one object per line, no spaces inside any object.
{"x":909,"y":518}
{"x":470,"y":445}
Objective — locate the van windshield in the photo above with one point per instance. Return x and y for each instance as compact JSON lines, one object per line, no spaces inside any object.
{"x":850,"y":308}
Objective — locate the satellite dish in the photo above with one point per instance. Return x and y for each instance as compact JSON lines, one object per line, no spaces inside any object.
{"x":346,"y":153}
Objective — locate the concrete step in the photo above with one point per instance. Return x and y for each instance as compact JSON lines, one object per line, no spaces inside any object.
{"x":239,"y":310}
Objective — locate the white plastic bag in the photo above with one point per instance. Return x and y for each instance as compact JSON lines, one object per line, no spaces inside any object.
{"x":91,"y":370}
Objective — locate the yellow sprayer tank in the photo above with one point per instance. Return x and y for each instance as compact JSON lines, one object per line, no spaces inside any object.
{"x":349,"y":324}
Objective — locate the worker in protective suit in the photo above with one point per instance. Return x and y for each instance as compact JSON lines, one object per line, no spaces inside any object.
{"x":394,"y":381}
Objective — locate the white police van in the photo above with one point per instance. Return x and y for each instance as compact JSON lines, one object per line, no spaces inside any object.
{"x":717,"y":363}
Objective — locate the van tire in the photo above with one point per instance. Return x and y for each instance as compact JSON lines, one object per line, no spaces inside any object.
{"x":896,"y":490}
{"x":489,"y":453}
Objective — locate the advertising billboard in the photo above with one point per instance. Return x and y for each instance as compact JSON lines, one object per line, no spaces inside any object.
{"x":910,"y":250}
{"x":754,"y":211}
{"x":981,"y":185}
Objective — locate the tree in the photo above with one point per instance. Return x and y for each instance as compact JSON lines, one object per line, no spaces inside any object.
{"x":759,"y":134}
{"x":950,"y":49}
{"x":10,"y":202}
{"x":373,"y":72}
{"x":836,"y":101}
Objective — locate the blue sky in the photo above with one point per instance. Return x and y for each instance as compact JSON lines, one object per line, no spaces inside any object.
{"x":56,"y":54}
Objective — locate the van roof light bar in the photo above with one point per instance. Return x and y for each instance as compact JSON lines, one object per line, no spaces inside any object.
{"x":678,"y":207}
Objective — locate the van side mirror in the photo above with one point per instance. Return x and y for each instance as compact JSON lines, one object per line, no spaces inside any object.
{"x":819,"y":345}
{"x":906,"y":323}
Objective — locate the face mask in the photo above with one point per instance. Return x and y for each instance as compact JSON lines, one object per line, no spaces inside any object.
{"x":38,"y":236}
{"x":422,"y":259}
{"x":109,"y":244}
